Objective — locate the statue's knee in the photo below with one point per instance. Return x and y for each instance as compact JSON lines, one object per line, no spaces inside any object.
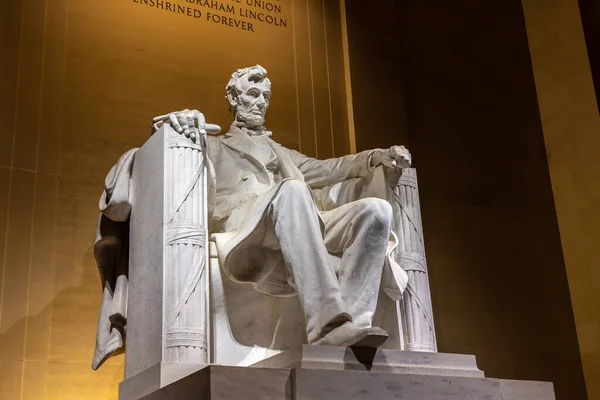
{"x":295,"y":188}
{"x":379,"y":212}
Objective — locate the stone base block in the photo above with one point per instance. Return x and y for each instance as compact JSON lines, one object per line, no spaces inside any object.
{"x":233,"y":383}
{"x":380,"y":360}
{"x":154,"y":378}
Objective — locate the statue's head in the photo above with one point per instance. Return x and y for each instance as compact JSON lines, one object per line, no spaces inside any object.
{"x":249,"y":94}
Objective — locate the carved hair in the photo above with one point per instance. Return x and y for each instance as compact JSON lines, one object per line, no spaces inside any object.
{"x":257,"y":74}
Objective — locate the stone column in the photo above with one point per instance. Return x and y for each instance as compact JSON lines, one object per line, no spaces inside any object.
{"x":167,"y":326}
{"x":186,"y":286}
{"x":415,"y":306}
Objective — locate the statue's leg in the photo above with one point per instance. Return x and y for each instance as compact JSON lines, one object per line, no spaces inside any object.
{"x":297,"y":225}
{"x":359,"y":231}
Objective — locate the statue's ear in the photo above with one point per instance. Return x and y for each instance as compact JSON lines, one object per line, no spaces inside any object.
{"x":232,"y":102}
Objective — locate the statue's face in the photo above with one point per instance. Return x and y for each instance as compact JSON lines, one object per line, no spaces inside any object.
{"x":253,"y":102}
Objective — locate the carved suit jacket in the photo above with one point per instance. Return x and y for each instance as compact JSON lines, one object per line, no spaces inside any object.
{"x":235,"y":157}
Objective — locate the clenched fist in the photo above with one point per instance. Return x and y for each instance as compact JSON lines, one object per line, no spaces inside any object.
{"x":394,"y":157}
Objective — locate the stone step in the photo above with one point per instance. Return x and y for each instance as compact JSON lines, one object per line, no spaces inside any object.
{"x":243,"y":383}
{"x":380,"y":360}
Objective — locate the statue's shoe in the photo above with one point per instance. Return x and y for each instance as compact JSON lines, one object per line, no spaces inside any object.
{"x":349,"y":335}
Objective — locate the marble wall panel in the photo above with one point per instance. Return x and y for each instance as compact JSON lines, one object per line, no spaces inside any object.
{"x":74,"y":305}
{"x":469,"y":107}
{"x":303,"y":69}
{"x":35,"y":379}
{"x":10,"y":40}
{"x":11,"y":375}
{"x":27,"y":112}
{"x":41,"y":271}
{"x":569,"y":116}
{"x":80,"y":83}
{"x":343,"y":143}
{"x":320,"y":79}
{"x":4,"y":195}
{"x":76,"y":381}
{"x":52,"y":88}
{"x":16,"y":265}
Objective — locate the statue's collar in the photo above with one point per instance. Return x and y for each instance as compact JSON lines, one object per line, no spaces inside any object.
{"x":235,"y":129}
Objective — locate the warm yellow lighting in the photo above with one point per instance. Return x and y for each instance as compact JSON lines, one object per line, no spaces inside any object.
{"x":91,"y":75}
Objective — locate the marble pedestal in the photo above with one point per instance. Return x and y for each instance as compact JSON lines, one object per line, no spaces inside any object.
{"x":381,"y":360}
{"x":332,"y":373}
{"x":233,"y":383}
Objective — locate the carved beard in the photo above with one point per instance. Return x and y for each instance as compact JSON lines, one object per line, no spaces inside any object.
{"x":249,"y":120}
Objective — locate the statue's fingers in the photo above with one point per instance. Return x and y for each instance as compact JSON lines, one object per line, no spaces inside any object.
{"x":182,"y":120}
{"x":391,"y":153}
{"x":395,"y":154}
{"x":190,"y":120}
{"x":399,"y":151}
{"x":200,"y":121}
{"x":196,"y":114}
{"x":390,"y":163}
{"x":401,"y":155}
{"x":186,"y":132}
{"x":175,"y":123}
{"x":408,"y":156}
{"x":184,"y":124}
{"x":405,"y":162}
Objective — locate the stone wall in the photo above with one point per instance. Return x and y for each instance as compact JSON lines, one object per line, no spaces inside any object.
{"x":569,"y":114}
{"x":79,"y":85}
{"x":493,"y":246}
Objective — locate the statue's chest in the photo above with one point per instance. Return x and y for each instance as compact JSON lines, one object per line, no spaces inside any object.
{"x":251,"y":169}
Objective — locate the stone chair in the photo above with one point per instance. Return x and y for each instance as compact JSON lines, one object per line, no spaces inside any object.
{"x":183,"y":313}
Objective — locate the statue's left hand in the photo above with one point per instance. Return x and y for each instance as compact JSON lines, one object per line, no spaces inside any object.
{"x":394,"y":157}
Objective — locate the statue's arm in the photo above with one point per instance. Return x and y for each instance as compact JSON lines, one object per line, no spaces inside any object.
{"x":320,"y":173}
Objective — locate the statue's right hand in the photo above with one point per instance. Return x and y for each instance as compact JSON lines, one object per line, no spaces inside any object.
{"x":190,"y":123}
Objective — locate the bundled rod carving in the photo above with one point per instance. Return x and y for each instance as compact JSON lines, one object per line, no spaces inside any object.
{"x":186,"y":253}
{"x":417,"y":317}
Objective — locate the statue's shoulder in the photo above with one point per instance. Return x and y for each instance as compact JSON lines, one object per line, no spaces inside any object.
{"x":214,"y":144}
{"x":274,"y":143}
{"x":215,"y":140}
